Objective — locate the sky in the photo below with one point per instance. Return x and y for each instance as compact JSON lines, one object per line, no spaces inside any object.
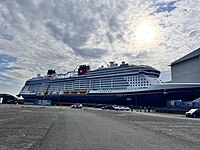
{"x":37,"y":35}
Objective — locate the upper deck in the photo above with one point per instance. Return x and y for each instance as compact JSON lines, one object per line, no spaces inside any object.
{"x":113,"y":70}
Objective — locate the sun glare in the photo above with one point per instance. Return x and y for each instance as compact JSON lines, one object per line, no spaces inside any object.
{"x":145,"y":32}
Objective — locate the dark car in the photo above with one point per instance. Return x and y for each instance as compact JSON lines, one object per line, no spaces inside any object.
{"x":99,"y":106}
{"x":193,"y":113}
{"x":110,"y":107}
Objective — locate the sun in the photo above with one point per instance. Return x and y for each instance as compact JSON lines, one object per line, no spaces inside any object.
{"x":145,"y":32}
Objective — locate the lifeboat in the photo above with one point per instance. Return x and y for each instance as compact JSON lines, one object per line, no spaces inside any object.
{"x":65,"y":91}
{"x":73,"y":91}
{"x":83,"y":91}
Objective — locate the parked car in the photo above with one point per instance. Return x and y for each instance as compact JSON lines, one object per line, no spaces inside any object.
{"x":99,"y":105}
{"x":110,"y":107}
{"x":193,"y":113}
{"x":77,"y":106}
{"x":116,"y":107}
{"x":123,"y":108}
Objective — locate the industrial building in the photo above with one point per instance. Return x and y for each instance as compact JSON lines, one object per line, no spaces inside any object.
{"x":187,"y":68}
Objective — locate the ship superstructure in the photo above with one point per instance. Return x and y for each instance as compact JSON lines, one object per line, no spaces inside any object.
{"x":116,"y":84}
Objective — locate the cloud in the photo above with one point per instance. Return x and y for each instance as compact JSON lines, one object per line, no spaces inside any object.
{"x":5,"y":61}
{"x":5,"y":33}
{"x":194,"y":33}
{"x":167,"y":6}
{"x":91,"y":52}
{"x":39,"y":35}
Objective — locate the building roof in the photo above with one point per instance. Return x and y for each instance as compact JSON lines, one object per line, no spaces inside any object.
{"x":7,"y":95}
{"x":186,"y":57}
{"x":197,"y":100}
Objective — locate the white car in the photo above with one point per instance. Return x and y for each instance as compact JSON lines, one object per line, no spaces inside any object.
{"x":77,"y":106}
{"x":121,"y":108}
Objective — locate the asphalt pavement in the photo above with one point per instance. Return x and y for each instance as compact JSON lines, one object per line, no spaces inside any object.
{"x":63,"y":128}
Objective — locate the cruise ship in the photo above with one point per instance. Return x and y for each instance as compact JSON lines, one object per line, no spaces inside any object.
{"x":124,"y":84}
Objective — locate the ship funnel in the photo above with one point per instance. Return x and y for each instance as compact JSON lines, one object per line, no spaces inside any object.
{"x":51,"y":72}
{"x":83,"y":69}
